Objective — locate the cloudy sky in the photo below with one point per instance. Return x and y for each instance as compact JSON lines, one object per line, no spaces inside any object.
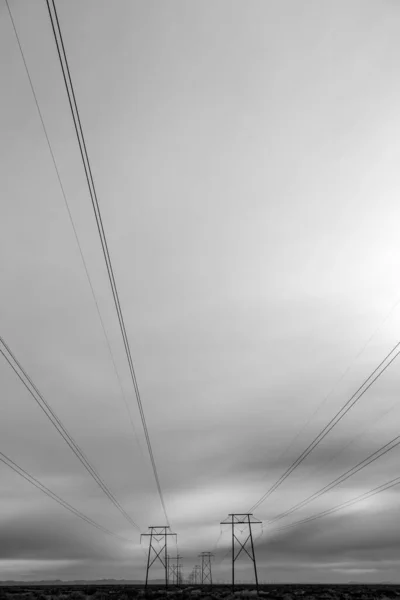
{"x":246,"y":161}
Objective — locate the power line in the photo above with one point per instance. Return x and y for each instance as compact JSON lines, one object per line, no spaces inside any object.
{"x":368,"y":428}
{"x":50,"y":414}
{"x":342,"y":376}
{"x":215,"y":548}
{"x":221,"y":560}
{"x":35,"y":482}
{"x":391,"y":445}
{"x":107,"y":340}
{"x":219,"y":537}
{"x":360,"y":498}
{"x":58,"y":38}
{"x":332,"y":423}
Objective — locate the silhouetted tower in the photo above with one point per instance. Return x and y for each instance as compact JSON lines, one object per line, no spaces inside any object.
{"x":170,"y":568}
{"x":242,"y":519}
{"x":197,"y":574}
{"x":176,"y":570}
{"x":179,"y":576}
{"x":158,"y":534}
{"x":206,"y":575}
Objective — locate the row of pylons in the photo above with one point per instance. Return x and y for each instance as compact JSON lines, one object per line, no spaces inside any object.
{"x":201,"y":574}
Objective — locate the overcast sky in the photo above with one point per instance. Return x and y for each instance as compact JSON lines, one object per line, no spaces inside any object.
{"x":246,"y":162}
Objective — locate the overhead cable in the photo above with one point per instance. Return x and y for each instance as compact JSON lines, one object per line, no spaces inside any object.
{"x":35,"y":482}
{"x":342,"y":376}
{"x":377,"y":490}
{"x":53,"y":158}
{"x":332,"y":423}
{"x":56,"y":422}
{"x":58,"y":38}
{"x":394,"y":443}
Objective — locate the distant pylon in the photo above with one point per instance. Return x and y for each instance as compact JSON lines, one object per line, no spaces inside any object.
{"x":170,"y":568}
{"x":179,"y":575}
{"x":158,"y":533}
{"x":176,"y":570}
{"x":197,"y":574}
{"x":242,"y":519}
{"x":206,"y":575}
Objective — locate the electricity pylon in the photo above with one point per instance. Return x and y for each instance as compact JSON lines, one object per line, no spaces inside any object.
{"x":206,"y":575}
{"x":171,"y":570}
{"x":158,"y":533}
{"x":242,"y":519}
{"x":179,"y":576}
{"x":196,"y":572}
{"x":176,"y":570}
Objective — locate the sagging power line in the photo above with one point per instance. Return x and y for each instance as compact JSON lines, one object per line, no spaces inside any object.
{"x":37,"y":484}
{"x":377,"y":490}
{"x":394,"y":443}
{"x":58,"y":38}
{"x":342,"y":376}
{"x":335,"y":508}
{"x":56,"y":422}
{"x":333,"y":422}
{"x":82,"y":257}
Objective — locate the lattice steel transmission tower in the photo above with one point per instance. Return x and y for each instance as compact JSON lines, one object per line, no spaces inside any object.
{"x":206,"y":574}
{"x":179,"y":576}
{"x":158,"y":533}
{"x":176,"y":570}
{"x":197,"y":574}
{"x":170,"y":569}
{"x":242,"y":519}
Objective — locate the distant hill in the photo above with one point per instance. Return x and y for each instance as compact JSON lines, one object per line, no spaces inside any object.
{"x":369,"y":583}
{"x":82,"y":582}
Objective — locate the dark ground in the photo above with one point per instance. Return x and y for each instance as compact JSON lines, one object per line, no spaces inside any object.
{"x":217,"y":592}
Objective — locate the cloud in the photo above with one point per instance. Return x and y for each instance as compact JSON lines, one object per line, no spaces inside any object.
{"x":253,"y":262}
{"x":366,"y":536}
{"x":44,"y":537}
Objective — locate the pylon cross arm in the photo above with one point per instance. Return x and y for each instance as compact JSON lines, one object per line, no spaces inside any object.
{"x":237,"y":523}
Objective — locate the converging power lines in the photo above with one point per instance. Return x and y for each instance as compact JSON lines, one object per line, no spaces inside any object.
{"x":36,"y":483}
{"x":377,"y":372}
{"x":162,"y":533}
{"x":56,"y":422}
{"x":58,"y":38}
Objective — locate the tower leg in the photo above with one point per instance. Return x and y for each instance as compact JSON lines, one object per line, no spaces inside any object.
{"x":148,"y":559}
{"x":233,"y":555}
{"x":166,"y":562}
{"x":252,"y":552}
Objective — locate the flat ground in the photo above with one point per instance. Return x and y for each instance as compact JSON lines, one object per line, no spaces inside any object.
{"x":217,"y":592}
